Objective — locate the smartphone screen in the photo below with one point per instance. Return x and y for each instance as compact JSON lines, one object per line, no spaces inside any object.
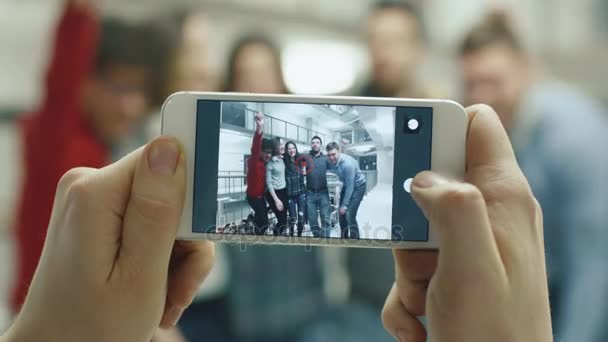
{"x":326,"y":171}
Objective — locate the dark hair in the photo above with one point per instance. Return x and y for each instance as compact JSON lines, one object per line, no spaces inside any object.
{"x":272,"y":144}
{"x":168,"y":33}
{"x":239,"y":46}
{"x":494,"y":29}
{"x":134,"y":46}
{"x":404,"y":6}
{"x":268,"y":144}
{"x":123,"y":43}
{"x":332,"y":146}
{"x":317,"y":137}
{"x":286,"y":156}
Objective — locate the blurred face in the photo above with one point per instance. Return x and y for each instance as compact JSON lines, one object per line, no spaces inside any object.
{"x":281,"y":148}
{"x":116,"y":101}
{"x":333,"y":156}
{"x":395,"y":48}
{"x":266,"y":155}
{"x":256,"y":71}
{"x":291,"y":150}
{"x":315,"y":145}
{"x":496,"y":76}
{"x":192,"y":69}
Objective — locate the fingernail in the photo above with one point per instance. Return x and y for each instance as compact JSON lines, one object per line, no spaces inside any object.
{"x":401,"y":335}
{"x":163,"y":157}
{"x":174,"y":314}
{"x":427,"y":180}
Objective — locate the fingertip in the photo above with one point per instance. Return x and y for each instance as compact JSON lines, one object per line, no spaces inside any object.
{"x":163,"y":155}
{"x":191,"y":262}
{"x":171,"y":316}
{"x":421,"y":188}
{"x":427,"y":179}
{"x":487,"y":141}
{"x":398,"y":322}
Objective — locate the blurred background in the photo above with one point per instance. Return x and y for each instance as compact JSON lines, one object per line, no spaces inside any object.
{"x":341,"y":47}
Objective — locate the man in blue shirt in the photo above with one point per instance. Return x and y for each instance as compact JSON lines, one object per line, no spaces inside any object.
{"x":353,"y":189}
{"x":559,"y":138}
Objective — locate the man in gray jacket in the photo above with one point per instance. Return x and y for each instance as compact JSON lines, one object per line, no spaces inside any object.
{"x":353,"y":189}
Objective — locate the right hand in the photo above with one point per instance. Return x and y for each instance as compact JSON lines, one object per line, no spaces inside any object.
{"x":259,"y":121}
{"x":279,"y":205}
{"x":488,"y":280}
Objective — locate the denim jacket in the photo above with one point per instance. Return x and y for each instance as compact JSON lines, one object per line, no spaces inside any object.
{"x":561,"y":143}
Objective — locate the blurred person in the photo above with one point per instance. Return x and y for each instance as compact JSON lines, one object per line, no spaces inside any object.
{"x":396,"y":44}
{"x":191,"y":68}
{"x":560,"y":140}
{"x":261,"y":153}
{"x":254,"y":65}
{"x":296,"y":188}
{"x":396,"y":47}
{"x":276,"y":292}
{"x":97,"y":90}
{"x":184,"y":38}
{"x":185,"y":34}
{"x":353,"y":189}
{"x":317,"y":194}
{"x":276,"y":186}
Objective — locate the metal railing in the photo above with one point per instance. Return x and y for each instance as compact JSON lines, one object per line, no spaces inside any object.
{"x":232,"y":201}
{"x":371,"y":178}
{"x":283,"y":129}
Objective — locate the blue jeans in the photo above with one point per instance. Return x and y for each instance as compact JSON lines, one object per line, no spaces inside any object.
{"x":348,"y":221}
{"x":297,"y":210}
{"x":317,"y":203}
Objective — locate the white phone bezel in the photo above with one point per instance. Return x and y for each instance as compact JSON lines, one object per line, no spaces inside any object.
{"x":448,"y":155}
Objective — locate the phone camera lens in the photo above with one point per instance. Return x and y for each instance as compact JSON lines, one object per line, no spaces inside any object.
{"x":412,"y":125}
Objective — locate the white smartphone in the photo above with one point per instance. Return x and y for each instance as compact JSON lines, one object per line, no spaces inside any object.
{"x":311,"y":170}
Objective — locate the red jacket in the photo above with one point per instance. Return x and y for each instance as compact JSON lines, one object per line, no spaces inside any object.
{"x":56,"y":138}
{"x":256,"y":169}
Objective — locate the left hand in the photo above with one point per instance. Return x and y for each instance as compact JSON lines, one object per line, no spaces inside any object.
{"x":111,"y":269}
{"x":342,"y":211}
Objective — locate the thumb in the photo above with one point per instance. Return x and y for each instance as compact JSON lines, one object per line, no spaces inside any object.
{"x":457,"y":212}
{"x":154,"y":209}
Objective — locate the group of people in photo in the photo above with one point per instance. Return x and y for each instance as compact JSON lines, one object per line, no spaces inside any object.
{"x":294,"y":186}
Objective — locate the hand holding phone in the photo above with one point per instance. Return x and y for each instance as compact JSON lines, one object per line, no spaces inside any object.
{"x":491,"y":257}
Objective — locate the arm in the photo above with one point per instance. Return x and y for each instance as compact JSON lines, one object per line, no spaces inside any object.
{"x":349,"y":184}
{"x":256,"y":146}
{"x":269,"y":181}
{"x":72,"y":60}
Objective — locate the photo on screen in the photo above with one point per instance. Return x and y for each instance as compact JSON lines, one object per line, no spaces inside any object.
{"x":310,"y":170}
